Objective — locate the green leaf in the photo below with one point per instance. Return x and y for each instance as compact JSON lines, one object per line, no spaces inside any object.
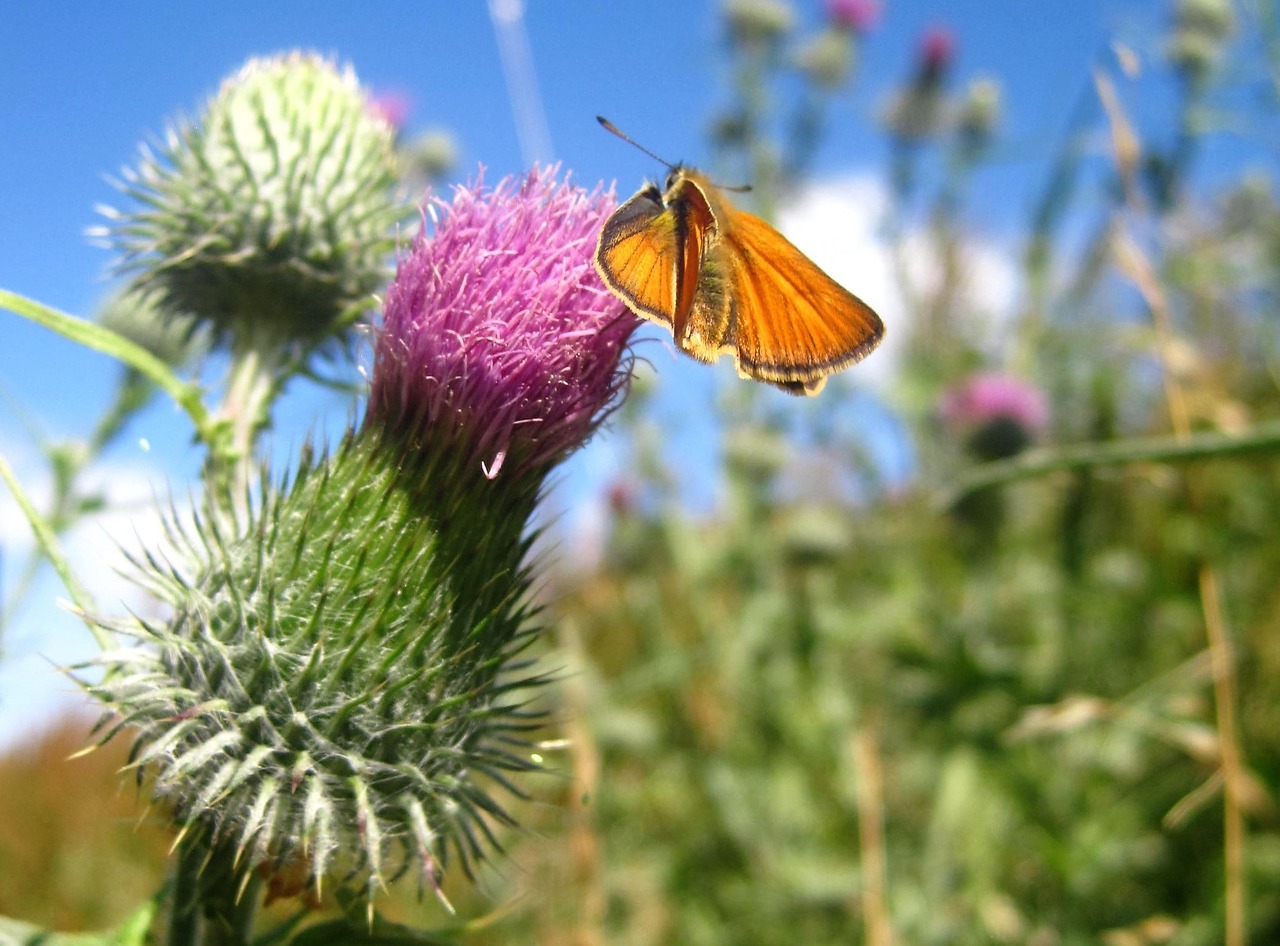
{"x":102,"y":339}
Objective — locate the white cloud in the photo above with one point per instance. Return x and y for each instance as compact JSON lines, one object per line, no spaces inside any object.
{"x":44,"y":635}
{"x":837,"y":223}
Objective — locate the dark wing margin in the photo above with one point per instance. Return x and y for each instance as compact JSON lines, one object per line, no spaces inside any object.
{"x":637,"y":256}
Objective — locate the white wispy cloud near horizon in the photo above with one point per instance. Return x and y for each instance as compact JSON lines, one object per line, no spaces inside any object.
{"x":838,"y":223}
{"x":44,"y":635}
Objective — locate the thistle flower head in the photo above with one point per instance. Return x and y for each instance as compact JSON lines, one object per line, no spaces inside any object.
{"x":860,"y":16}
{"x":918,"y":110}
{"x":392,"y":106}
{"x":337,"y":690}
{"x":270,"y":214}
{"x":998,"y":415}
{"x":758,"y":22}
{"x":937,"y":51}
{"x":1199,"y":36}
{"x":498,"y":336}
{"x":828,"y":58}
{"x":979,"y":112}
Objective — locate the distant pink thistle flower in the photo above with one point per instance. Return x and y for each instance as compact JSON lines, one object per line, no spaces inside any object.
{"x":393,"y":107}
{"x":498,"y":335}
{"x":937,"y":50}
{"x":988,"y":396}
{"x":861,"y":16}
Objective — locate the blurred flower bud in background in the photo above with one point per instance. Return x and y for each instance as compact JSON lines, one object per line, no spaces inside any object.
{"x":860,"y":16}
{"x":758,"y":22}
{"x":392,"y":106}
{"x":979,"y":114}
{"x":1199,"y":35}
{"x":428,"y":157}
{"x":918,"y":110}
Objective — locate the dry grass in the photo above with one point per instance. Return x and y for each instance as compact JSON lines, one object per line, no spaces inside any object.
{"x":78,"y":849}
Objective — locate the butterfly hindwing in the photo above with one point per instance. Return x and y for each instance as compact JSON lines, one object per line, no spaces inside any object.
{"x":793,"y":323}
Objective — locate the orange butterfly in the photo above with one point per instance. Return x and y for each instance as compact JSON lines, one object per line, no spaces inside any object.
{"x":724,"y":281}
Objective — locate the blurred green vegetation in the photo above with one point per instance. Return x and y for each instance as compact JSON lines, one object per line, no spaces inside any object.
{"x":843,"y":707}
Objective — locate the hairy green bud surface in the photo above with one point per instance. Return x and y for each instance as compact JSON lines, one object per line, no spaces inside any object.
{"x":335,"y":683}
{"x":273,"y":212}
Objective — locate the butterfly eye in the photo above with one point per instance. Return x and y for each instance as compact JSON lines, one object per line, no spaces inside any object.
{"x":672,"y":176}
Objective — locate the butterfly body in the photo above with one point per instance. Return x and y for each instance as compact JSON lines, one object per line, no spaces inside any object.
{"x":725,"y":282}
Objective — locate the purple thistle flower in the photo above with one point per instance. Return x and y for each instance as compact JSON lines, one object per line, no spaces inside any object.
{"x":498,"y":335}
{"x":997,"y":414}
{"x":393,"y":106}
{"x":987,"y":396}
{"x":860,"y":16}
{"x":937,"y":51}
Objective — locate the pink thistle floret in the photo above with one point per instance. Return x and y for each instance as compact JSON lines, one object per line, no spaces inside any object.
{"x":498,"y":336}
{"x":987,"y":397}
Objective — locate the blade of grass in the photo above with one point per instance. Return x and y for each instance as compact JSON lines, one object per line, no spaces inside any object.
{"x":49,"y":543}
{"x":102,"y":339}
{"x":1178,"y":448}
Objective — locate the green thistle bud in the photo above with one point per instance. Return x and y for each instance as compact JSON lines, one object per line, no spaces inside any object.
{"x":272,"y":214}
{"x":430,"y":156}
{"x":828,"y":58}
{"x":758,"y":22}
{"x":1199,"y":36}
{"x":979,"y":112}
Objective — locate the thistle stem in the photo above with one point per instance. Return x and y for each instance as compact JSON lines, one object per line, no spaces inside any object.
{"x":184,"y":916}
{"x":1263,"y":438}
{"x":243,"y":414}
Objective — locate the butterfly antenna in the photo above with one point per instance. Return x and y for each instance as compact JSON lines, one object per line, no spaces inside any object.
{"x":611,"y":127}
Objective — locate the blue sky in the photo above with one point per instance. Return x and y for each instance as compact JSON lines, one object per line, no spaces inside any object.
{"x":83,"y":83}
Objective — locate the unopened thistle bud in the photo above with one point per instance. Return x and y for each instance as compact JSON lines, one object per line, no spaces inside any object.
{"x":828,"y":58}
{"x":1199,"y":36}
{"x":979,"y":113}
{"x":339,"y":691}
{"x":758,"y":22}
{"x":271,"y":214}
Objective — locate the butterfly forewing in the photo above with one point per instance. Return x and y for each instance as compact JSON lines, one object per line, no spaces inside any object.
{"x":638,"y":256}
{"x":794,"y":323}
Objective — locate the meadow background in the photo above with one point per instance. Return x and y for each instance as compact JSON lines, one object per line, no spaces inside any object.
{"x":981,"y":645}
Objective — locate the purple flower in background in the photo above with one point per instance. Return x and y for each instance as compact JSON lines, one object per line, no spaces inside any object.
{"x":393,"y":107}
{"x":860,"y":16}
{"x":498,"y":335}
{"x":919,"y":111}
{"x":998,"y":415}
{"x":937,"y":50}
